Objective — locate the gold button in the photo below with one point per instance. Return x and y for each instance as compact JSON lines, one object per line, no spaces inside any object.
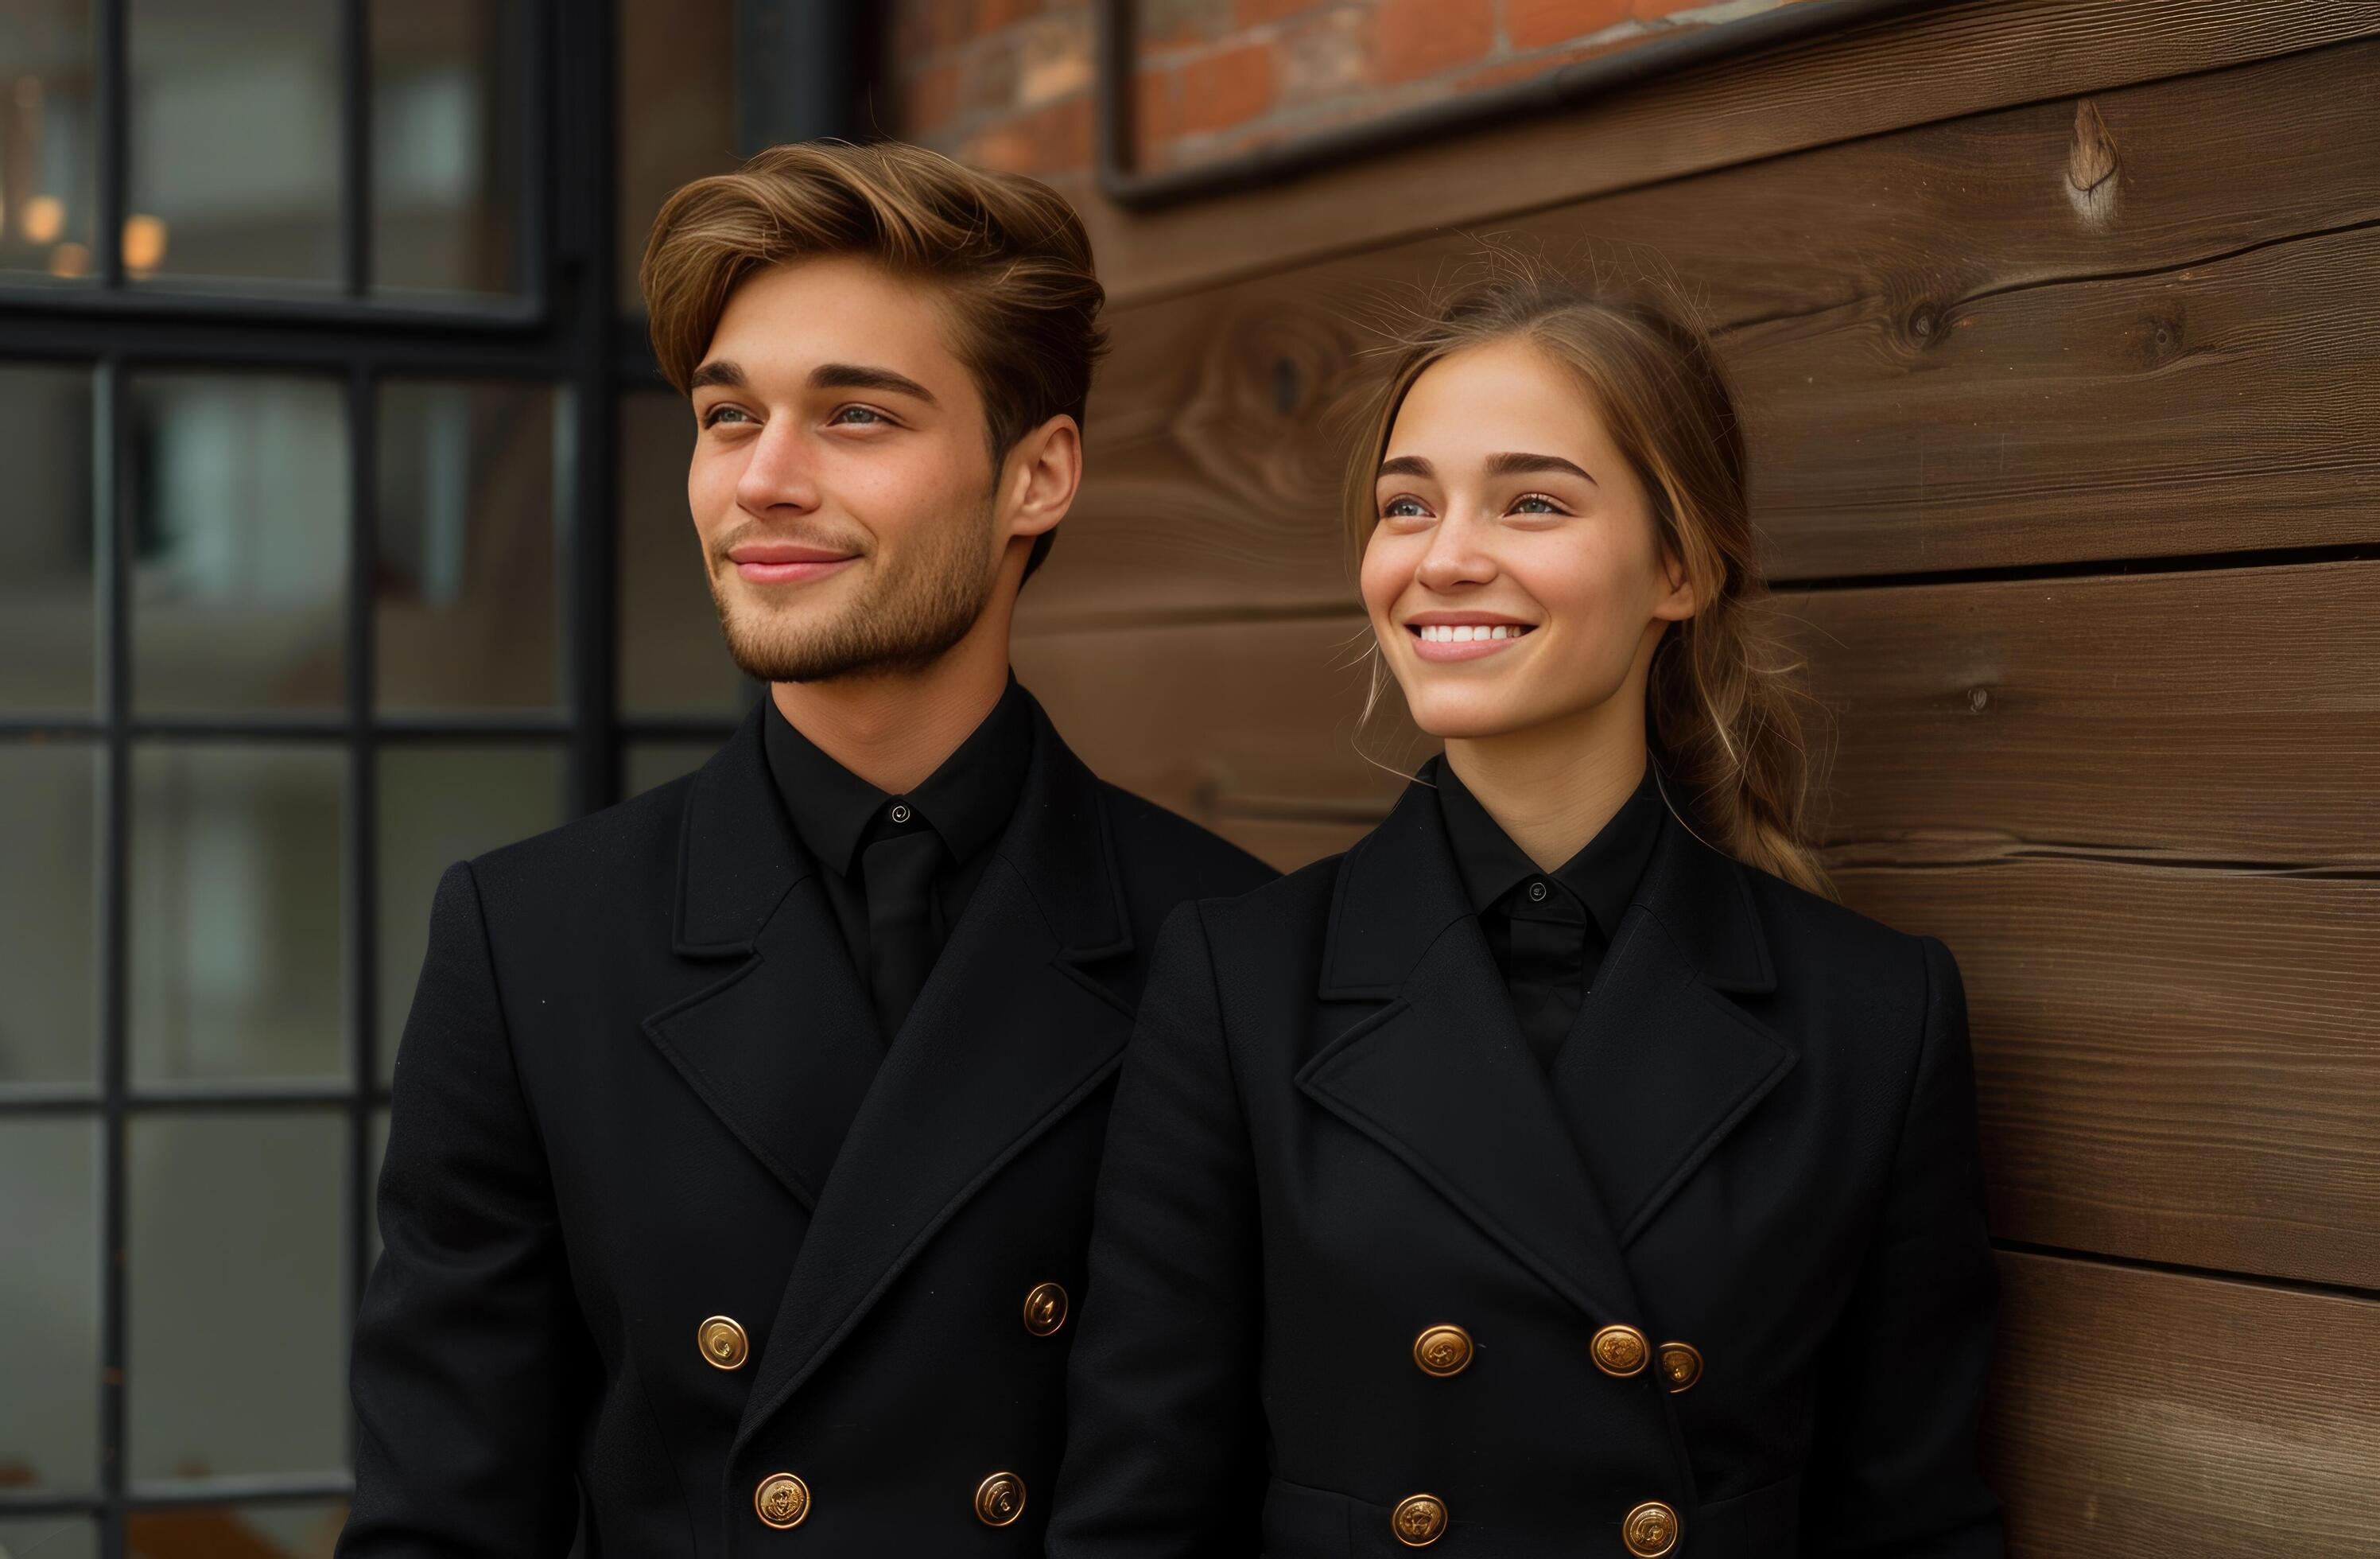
{"x":1045,"y":1309}
{"x":1681,"y":1365}
{"x":783,"y":1500}
{"x":1620,"y":1350}
{"x":1000,"y":1499}
{"x":723,"y":1342}
{"x":1442,"y":1350}
{"x":1418,"y":1520}
{"x":1650,"y":1530}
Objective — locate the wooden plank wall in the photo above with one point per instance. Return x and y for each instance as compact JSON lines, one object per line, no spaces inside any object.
{"x":2066,"y":417}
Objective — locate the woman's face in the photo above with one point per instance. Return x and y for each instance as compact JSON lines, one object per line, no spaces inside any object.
{"x":1515,"y":579}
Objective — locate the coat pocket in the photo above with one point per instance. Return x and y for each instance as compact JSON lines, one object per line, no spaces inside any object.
{"x":1303,"y":1523}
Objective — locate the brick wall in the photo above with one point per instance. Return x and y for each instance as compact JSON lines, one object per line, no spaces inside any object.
{"x":1007,"y":83}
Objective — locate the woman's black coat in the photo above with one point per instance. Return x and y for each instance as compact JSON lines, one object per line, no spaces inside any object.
{"x":1329,"y":1136}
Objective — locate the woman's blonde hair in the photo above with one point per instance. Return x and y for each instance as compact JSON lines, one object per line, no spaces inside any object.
{"x":1723,"y":701}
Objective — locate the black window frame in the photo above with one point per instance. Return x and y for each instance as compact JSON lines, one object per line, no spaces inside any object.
{"x":561,"y":330}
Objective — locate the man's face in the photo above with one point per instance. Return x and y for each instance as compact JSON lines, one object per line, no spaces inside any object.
{"x":840,"y":483}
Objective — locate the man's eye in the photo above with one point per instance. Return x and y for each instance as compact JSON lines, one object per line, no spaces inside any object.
{"x":717,"y":414}
{"x":869,"y":412}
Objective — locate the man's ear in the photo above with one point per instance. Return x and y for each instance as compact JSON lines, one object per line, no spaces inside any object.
{"x":1042,"y":475}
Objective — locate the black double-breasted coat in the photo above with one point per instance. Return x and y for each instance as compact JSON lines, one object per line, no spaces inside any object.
{"x":641,"y":1091}
{"x":1366,"y":1275}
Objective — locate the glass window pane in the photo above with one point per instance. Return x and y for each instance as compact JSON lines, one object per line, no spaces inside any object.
{"x":240,"y":511}
{"x":672,"y":658}
{"x":48,"y":800}
{"x":658,"y":762}
{"x":439,"y":805}
{"x":677,"y":111}
{"x":237,"y":1335}
{"x":236,"y":912}
{"x":303,"y":1529}
{"x":471,"y":488}
{"x":446,"y":139}
{"x":235,"y":142}
{"x":48,"y":174}
{"x":47,"y":604}
{"x":48,"y":1537}
{"x":49,"y":1304}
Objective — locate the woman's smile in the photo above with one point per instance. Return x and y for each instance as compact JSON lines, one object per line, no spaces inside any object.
{"x":1442,"y":636}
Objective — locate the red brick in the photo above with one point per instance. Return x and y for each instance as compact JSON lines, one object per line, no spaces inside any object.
{"x":990,"y":16}
{"x":1540,"y":64}
{"x":1049,"y":140}
{"x":1174,"y":24}
{"x":1157,"y":113}
{"x":1534,"y":24}
{"x":1246,"y":14}
{"x":1228,"y":88}
{"x":929,"y":100}
{"x":1423,"y":37}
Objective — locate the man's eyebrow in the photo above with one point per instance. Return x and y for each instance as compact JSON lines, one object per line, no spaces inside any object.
{"x":1523,"y":465}
{"x":861,"y":376}
{"x":719,"y":371}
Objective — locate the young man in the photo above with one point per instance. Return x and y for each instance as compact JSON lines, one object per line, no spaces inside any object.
{"x":740,"y":1164}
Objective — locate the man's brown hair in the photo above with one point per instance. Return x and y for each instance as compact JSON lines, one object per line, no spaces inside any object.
{"x":1008,"y":251}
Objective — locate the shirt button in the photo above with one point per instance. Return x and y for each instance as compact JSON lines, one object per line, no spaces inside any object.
{"x":901,"y":812}
{"x":1536,"y":893}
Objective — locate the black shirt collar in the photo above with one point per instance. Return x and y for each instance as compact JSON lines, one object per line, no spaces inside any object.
{"x":969,"y":799}
{"x":1603,"y":873}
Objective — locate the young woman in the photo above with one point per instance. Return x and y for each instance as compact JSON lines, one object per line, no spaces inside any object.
{"x":1559,"y":1172}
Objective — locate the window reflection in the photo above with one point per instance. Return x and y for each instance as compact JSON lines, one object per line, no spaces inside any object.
{"x":48,"y":1537}
{"x":236,"y":1328}
{"x":49,"y":794}
{"x":46,"y":542}
{"x":239,"y":535}
{"x":237,"y":919}
{"x":471,"y":488}
{"x":234,"y":141}
{"x":307,"y":1530}
{"x":49,"y":1305}
{"x":48,"y":190}
{"x":445,"y":168}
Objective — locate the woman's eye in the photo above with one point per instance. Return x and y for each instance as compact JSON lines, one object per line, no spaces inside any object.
{"x":1546,"y":504}
{"x":869,"y":412}
{"x":1404,"y":508}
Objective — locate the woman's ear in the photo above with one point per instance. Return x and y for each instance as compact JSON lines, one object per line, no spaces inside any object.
{"x":1679,"y":600}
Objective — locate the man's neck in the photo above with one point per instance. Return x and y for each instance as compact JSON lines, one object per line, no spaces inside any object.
{"x":894,"y":730}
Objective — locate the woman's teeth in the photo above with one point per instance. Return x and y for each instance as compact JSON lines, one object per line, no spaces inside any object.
{"x":1462,"y":633}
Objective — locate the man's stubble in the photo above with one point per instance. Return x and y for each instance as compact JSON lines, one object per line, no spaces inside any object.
{"x":901,"y":623}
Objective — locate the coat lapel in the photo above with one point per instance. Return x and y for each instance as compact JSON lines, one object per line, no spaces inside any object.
{"x":1563,"y":1170}
{"x":1663,"y":1064}
{"x":783,"y":1044}
{"x":1010,"y":1032}
{"x":1441,"y":1076}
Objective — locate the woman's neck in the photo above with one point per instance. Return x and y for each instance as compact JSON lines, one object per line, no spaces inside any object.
{"x":1552,"y":787}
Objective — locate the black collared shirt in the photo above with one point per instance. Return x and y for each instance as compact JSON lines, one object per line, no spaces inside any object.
{"x":967,"y":801}
{"x":1549,"y":929}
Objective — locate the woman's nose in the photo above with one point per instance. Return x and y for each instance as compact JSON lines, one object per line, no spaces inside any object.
{"x":1454,"y":556}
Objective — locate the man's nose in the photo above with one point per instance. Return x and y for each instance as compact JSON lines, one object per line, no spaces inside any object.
{"x":781,"y":472}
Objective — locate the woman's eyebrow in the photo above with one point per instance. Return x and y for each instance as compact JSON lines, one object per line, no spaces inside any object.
{"x":1524,"y":465}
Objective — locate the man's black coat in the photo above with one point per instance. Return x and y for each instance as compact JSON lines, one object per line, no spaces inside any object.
{"x":641,"y":1087}
{"x":1758,"y":1139}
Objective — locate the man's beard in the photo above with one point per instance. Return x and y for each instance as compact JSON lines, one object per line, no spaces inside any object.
{"x":901,"y":623}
